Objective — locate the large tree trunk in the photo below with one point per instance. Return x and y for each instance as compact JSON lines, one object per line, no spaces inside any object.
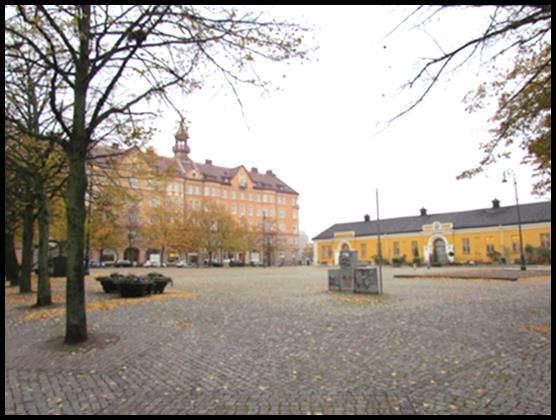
{"x":27,"y":251}
{"x":11,"y":268}
{"x":76,"y":320}
{"x":44,"y":294}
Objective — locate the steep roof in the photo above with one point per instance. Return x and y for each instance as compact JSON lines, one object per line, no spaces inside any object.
{"x":216,"y":173}
{"x":530,"y":213}
{"x":266,"y":181}
{"x":210,"y":172}
{"x":269,"y":181}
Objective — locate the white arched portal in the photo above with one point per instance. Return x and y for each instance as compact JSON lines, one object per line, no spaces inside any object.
{"x":443,"y":247}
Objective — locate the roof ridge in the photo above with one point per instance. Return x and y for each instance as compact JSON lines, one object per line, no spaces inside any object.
{"x":535,"y":212}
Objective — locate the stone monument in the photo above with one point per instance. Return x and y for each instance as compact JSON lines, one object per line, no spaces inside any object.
{"x":353,"y":278}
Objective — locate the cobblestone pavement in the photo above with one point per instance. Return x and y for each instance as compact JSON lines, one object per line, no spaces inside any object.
{"x":275,"y":341}
{"x":485,"y":273}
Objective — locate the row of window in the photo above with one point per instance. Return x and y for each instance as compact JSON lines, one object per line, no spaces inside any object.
{"x":133,"y":218}
{"x":397,"y":252}
{"x":195,"y":204}
{"x":259,"y":198}
{"x":176,"y":187}
{"x":490,"y":248}
{"x":326,"y":250}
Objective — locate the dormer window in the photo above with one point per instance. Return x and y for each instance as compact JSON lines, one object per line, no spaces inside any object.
{"x":242,"y":181}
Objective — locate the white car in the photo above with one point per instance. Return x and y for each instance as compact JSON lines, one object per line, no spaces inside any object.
{"x":181,"y":264}
{"x":151,"y":264}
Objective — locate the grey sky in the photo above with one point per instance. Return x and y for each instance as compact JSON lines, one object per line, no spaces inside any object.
{"x":322,"y":133}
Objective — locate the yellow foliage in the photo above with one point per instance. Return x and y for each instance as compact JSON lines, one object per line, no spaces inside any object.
{"x":540,"y":328}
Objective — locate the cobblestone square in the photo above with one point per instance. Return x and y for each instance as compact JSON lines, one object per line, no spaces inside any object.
{"x":275,"y":341}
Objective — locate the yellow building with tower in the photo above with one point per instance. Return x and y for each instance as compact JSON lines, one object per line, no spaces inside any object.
{"x":475,"y":236}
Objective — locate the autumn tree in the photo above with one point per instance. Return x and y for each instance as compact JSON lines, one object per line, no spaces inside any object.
{"x":522,"y":117}
{"x":164,"y":218}
{"x":269,"y":241}
{"x":517,"y":33}
{"x":13,"y":211}
{"x":106,"y":202}
{"x":104,"y":62}
{"x":39,"y":165}
{"x":214,"y":230}
{"x":41,"y":168}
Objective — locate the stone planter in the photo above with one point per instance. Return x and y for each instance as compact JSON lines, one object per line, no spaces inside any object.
{"x":109,"y":284}
{"x":159,"y":282}
{"x":135,"y":286}
{"x":131,"y":290}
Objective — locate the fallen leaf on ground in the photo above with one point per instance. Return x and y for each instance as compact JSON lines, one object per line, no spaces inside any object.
{"x":108,"y":304}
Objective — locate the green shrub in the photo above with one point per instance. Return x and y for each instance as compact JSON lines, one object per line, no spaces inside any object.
{"x":398,"y":261}
{"x":537,"y":255}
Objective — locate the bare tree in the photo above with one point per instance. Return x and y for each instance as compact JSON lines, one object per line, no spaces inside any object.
{"x":522,"y":92}
{"x":104,"y":62}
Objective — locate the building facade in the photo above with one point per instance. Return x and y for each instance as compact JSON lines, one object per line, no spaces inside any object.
{"x":475,"y":236}
{"x":258,"y":200}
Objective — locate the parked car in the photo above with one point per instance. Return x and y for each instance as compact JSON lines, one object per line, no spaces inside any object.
{"x":94,"y":264}
{"x":214,"y":263}
{"x":181,"y":264}
{"x":151,"y":264}
{"x":236,"y":263}
{"x":123,"y":263}
{"x":107,"y":264}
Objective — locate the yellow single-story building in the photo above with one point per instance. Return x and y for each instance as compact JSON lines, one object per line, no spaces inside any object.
{"x":474,"y":236}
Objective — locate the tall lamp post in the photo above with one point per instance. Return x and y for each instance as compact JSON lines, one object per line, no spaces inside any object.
{"x":507,"y":173}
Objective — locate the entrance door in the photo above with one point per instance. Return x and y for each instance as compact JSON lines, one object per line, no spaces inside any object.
{"x":131,"y":254}
{"x":440,"y":251}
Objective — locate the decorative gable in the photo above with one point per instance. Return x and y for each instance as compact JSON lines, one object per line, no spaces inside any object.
{"x":193,"y":174}
{"x":242,"y":179}
{"x":438,"y":227}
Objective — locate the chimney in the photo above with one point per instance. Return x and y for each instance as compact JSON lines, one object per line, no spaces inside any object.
{"x":208,"y":162}
{"x":367,"y":218}
{"x":495,"y":203}
{"x":423,"y":211}
{"x":254,"y":170}
{"x":115,"y":146}
{"x":269,"y":172}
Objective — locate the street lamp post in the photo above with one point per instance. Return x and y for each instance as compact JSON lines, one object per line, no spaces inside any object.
{"x":506,"y":173}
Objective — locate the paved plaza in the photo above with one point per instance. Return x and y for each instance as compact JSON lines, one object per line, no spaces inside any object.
{"x":275,"y":341}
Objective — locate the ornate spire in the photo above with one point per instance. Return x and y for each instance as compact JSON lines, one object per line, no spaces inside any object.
{"x":181,"y":149}
{"x":182,"y":134}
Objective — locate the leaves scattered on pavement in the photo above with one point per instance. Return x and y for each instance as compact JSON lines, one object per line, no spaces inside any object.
{"x":108,"y":304}
{"x":180,"y":324}
{"x":540,"y":328}
{"x":365,"y":299}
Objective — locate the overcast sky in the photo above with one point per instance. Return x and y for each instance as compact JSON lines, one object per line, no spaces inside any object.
{"x":322,"y":133}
